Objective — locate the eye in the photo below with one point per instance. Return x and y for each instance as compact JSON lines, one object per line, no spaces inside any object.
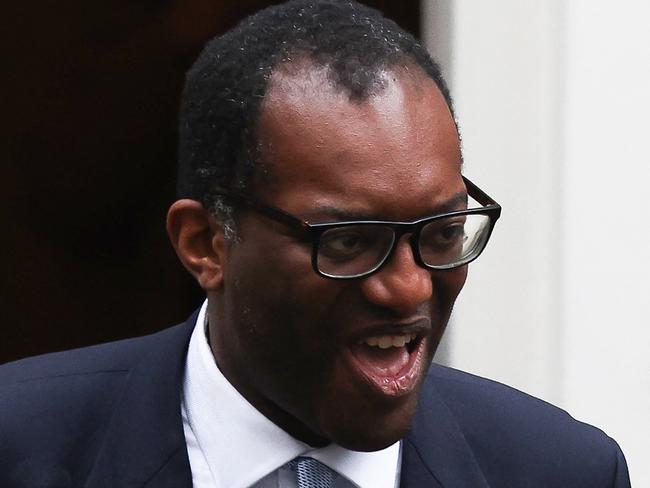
{"x":444,"y":235}
{"x":451,"y":233}
{"x":342,"y":243}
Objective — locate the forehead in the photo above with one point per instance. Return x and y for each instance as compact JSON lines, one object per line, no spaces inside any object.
{"x":325,"y":149}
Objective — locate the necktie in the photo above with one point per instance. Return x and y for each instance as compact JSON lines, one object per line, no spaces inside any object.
{"x":311,"y":473}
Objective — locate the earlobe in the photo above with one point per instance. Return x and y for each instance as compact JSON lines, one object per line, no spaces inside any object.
{"x":198,"y":241}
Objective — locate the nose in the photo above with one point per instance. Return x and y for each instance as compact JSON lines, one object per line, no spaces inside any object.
{"x":401,"y":284}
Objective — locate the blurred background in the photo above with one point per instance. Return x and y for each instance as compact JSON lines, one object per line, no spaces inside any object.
{"x":554,"y":109}
{"x":553,"y":104}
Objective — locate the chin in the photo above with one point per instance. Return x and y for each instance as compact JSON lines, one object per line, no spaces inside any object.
{"x":373,"y":429}
{"x":374,"y":440}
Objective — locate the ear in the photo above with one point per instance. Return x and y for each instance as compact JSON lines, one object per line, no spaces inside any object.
{"x":198,"y":241}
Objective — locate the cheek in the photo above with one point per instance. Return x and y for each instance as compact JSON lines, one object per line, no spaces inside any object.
{"x":277,"y":299}
{"x":450,"y":283}
{"x":292,"y":287}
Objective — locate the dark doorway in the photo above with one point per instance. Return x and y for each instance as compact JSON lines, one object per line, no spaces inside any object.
{"x":90,"y":97}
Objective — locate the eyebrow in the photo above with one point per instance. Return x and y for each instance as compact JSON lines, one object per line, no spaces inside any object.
{"x":345,"y":215}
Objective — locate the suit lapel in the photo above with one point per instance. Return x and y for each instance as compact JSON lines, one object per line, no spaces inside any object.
{"x":435,"y":452}
{"x":144,"y":444}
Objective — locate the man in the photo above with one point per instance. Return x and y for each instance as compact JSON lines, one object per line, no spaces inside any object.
{"x":326,"y":218}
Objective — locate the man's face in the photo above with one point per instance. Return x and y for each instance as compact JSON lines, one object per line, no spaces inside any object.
{"x":326,"y":359}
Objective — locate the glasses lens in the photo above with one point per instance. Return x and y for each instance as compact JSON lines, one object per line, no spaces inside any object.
{"x":453,"y":241}
{"x":353,"y":250}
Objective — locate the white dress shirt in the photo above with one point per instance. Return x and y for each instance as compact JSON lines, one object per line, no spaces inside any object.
{"x":232,"y":445}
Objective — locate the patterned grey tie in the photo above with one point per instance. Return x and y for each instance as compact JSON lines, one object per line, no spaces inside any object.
{"x":311,"y":473}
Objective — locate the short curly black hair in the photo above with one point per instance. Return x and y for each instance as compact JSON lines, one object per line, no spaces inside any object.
{"x":225,"y":87}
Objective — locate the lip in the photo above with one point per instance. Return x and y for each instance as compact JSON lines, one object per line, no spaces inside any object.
{"x":397,"y":383}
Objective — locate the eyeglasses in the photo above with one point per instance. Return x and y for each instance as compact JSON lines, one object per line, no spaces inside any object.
{"x":354,"y":249}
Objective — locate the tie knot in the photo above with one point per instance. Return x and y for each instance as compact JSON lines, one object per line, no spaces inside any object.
{"x":311,"y":473}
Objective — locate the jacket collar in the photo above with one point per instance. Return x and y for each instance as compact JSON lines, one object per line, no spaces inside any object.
{"x":144,"y":443}
{"x":434,"y":451}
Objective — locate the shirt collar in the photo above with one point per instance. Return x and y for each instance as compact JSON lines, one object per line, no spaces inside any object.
{"x":241,"y":445}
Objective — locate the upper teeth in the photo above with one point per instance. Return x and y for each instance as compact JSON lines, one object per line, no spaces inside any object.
{"x":384,"y":342}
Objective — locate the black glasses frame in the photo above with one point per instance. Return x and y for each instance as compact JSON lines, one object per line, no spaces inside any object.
{"x":313,"y":232}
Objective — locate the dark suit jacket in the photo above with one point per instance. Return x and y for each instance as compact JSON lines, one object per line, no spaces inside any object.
{"x":109,"y":416}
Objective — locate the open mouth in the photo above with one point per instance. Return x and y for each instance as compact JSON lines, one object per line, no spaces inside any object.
{"x":391,"y":363}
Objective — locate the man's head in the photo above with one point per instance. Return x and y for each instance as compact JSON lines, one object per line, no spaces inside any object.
{"x":331,"y":113}
{"x":225,"y":87}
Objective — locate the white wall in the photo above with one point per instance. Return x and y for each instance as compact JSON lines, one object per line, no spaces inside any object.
{"x":553,"y":103}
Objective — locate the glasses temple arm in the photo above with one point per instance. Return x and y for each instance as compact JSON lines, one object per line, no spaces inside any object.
{"x":477,"y":194}
{"x":263,"y":208}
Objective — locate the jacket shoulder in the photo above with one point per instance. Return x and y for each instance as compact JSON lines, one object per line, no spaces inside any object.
{"x":532,"y":438}
{"x":111,"y":356}
{"x":55,"y":408}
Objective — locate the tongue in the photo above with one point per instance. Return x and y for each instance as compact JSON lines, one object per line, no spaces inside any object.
{"x":383,"y":362}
